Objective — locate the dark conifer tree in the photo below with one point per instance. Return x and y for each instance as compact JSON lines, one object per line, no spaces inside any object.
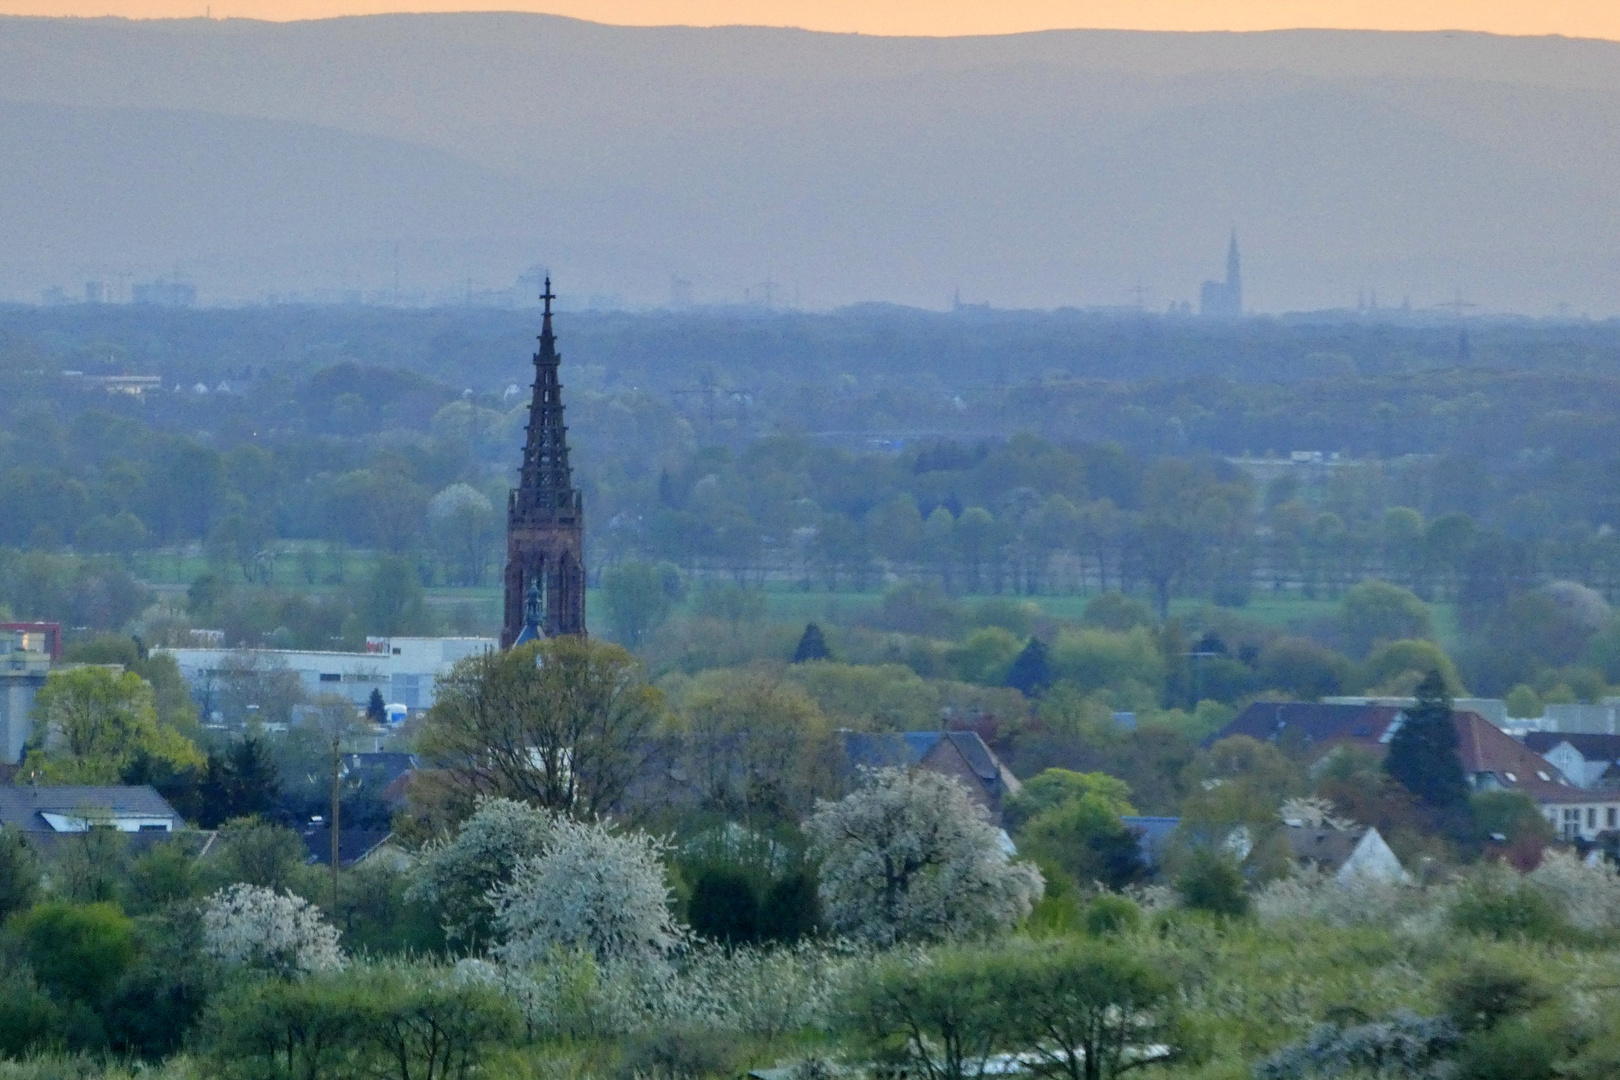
{"x":1030,"y":672}
{"x":376,"y":708}
{"x":238,"y":783}
{"x":812,"y":646}
{"x":1423,"y":753}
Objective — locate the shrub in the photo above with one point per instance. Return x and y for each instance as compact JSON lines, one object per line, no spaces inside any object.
{"x":388,"y":1021}
{"x":1309,"y":893}
{"x":1108,"y":914}
{"x":256,"y":928}
{"x":1212,"y":882}
{"x":1587,"y":896}
{"x":791,"y":909}
{"x":29,"y":1021}
{"x":1404,"y":1045}
{"x":78,"y":953}
{"x":19,"y":873}
{"x":257,"y":852}
{"x":940,"y":1014}
{"x":1483,"y":994}
{"x":1524,"y":1048}
{"x":1088,"y":1011}
{"x":679,"y":1054}
{"x":1499,"y":903}
{"x":723,"y":906}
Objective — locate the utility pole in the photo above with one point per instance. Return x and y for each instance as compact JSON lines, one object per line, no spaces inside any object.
{"x":337,"y":762}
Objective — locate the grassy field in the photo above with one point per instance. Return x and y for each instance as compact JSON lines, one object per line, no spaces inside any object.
{"x":318,"y":569}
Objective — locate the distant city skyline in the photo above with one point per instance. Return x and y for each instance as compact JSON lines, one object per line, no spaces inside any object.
{"x":1568,"y":18}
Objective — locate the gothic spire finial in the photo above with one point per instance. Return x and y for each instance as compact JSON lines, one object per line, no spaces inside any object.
{"x":531,"y":615}
{"x":547,"y":296}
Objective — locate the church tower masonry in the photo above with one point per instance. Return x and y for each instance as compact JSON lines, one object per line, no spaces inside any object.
{"x":545,"y":516}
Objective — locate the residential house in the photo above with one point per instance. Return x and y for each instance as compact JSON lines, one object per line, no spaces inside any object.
{"x":1313,"y":728}
{"x":1348,"y":855}
{"x":354,"y":845}
{"x":376,"y":770}
{"x":961,"y":754}
{"x":41,"y":809}
{"x":1492,"y":759}
{"x":1589,"y":761}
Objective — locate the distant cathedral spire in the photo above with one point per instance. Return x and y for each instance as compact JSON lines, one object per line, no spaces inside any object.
{"x":1224,"y":299}
{"x":1234,"y":270}
{"x":545,"y":515}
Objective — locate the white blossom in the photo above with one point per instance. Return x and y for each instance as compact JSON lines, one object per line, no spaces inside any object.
{"x":910,"y":856}
{"x":1313,"y":812}
{"x":455,"y":876}
{"x":767,"y":992}
{"x":1588,"y":895}
{"x":595,"y":891}
{"x":1359,"y":900}
{"x":254,"y":927}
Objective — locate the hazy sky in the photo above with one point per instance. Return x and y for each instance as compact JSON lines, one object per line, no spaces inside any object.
{"x":1574,"y":18}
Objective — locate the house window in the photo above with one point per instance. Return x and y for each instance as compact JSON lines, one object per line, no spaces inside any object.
{"x":331,"y":677}
{"x":1609,"y":816}
{"x":1591,"y":817}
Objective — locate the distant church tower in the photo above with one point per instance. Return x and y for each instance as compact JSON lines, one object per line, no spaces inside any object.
{"x":545,"y":516}
{"x":1224,"y":300}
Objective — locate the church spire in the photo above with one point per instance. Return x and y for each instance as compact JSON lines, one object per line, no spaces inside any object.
{"x":545,"y":515}
{"x":547,"y":483}
{"x":1234,"y":272}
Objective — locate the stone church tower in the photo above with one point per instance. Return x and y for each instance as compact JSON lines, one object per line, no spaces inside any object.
{"x":545,"y":516}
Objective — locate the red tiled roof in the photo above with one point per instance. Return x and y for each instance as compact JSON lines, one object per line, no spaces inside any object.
{"x":1486,"y":748}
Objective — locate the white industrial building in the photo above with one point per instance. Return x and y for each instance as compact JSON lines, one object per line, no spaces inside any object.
{"x":404,"y":670}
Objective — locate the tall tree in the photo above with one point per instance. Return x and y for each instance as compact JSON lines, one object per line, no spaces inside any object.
{"x":561,"y":723}
{"x":812,"y":645}
{"x":91,"y":723}
{"x":1423,"y":752}
{"x":1031,"y":674}
{"x":910,"y":856}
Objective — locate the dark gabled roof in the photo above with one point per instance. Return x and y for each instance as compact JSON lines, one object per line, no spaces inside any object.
{"x":977,"y":755}
{"x":381,"y":768}
{"x":887,"y":749}
{"x":902,"y":749}
{"x":353,"y":844}
{"x":1590,"y":747}
{"x":22,"y":804}
{"x":1310,"y":722}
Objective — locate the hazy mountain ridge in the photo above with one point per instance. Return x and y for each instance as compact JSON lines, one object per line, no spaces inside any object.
{"x":1039,"y":169}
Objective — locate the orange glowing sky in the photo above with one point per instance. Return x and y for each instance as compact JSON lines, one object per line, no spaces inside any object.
{"x":1574,"y":18}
